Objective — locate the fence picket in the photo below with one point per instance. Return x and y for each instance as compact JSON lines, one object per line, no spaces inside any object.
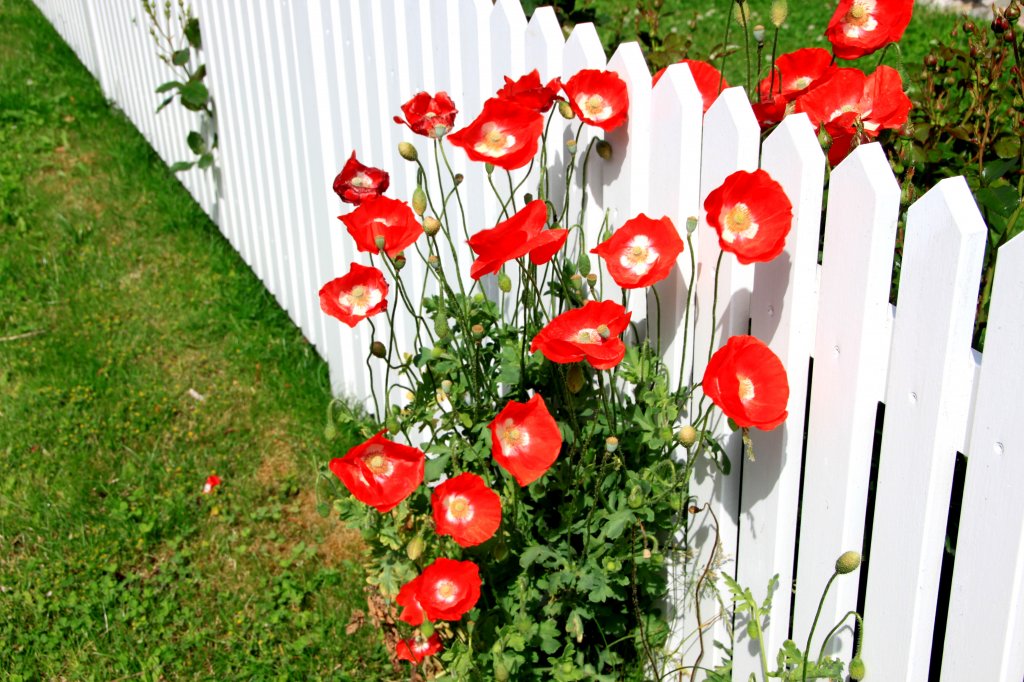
{"x":985,"y":627}
{"x":782,"y":310}
{"x":850,"y":362}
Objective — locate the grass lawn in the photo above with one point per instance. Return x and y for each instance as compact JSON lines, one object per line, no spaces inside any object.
{"x":138,"y":355}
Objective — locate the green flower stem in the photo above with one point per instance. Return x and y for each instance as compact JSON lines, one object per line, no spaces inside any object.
{"x":746,"y":43}
{"x":511,"y":192}
{"x":369,"y":368}
{"x":657,"y":308}
{"x":683,"y":374}
{"x":725,"y":42}
{"x":835,"y":629}
{"x":775,"y":49}
{"x":455,"y":186}
{"x":817,"y":615}
{"x":760,"y":643}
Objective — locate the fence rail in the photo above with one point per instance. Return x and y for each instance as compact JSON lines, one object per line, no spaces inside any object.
{"x":299,"y":85}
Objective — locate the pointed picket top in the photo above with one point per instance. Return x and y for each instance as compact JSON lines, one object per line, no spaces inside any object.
{"x":627,"y":174}
{"x":850,"y":363}
{"x":583,"y":50}
{"x":927,"y":401}
{"x":782,"y":310}
{"x":545,"y":43}
{"x":984,"y":629}
{"x":676,"y":114}
{"x":508,"y":32}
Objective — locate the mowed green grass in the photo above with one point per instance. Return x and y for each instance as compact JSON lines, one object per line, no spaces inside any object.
{"x":118,"y":299}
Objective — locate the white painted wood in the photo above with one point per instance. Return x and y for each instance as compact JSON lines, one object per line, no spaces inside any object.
{"x":508,"y":41}
{"x":545,"y":44}
{"x":927,"y":400}
{"x":730,"y":143}
{"x":985,"y":627}
{"x":850,"y":359}
{"x":783,"y":309}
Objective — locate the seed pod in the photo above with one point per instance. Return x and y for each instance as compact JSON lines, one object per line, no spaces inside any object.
{"x":414,"y":549}
{"x":779,"y":12}
{"x":604,"y":150}
{"x":378,"y":350}
{"x":431,"y":225}
{"x":419,"y":201}
{"x":378,"y":241}
{"x":565,"y":110}
{"x":611,"y":444}
{"x":857,"y":671}
{"x":504,"y":282}
{"x":407,"y":151}
{"x":687,"y":436}
{"x":848,"y":562}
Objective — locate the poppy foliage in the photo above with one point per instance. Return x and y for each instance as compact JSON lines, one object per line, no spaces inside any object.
{"x":358,"y":182}
{"x":598,"y":97}
{"x":641,"y":252}
{"x":505,"y":134}
{"x":525,"y":439}
{"x":380,"y":472}
{"x":521,"y":234}
{"x":386,"y":218}
{"x":589,"y":333}
{"x":429,"y":115}
{"x":748,"y":382}
{"x":466,"y":509}
{"x":752,"y":215}
{"x":355,"y":296}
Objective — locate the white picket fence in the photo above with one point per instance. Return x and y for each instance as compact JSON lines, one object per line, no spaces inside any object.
{"x":298,"y":85}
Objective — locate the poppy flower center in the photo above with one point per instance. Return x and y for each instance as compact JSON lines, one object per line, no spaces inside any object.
{"x":860,"y":18}
{"x":802,"y":82}
{"x":594,"y":106}
{"x":588,"y":336}
{"x":446,"y":591}
{"x":639,"y":256}
{"x":738,"y":222}
{"x":378,"y":464}
{"x":460,"y":509}
{"x":495,"y":141}
{"x":746,"y":391}
{"x":857,"y":14}
{"x":512,"y":437}
{"x":362,"y":180}
{"x":360,"y":299}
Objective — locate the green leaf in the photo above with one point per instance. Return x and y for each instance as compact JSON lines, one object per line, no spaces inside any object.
{"x":548,"y":632}
{"x":194,"y":95}
{"x":192,"y":33}
{"x":435,"y":467}
{"x":164,"y":103}
{"x":180,"y":57}
{"x":179,"y":166}
{"x":169,"y":85}
{"x":196,"y":142}
{"x":617,"y":523}
{"x":205,"y":161}
{"x":1007,"y":147}
{"x":534,"y":554}
{"x":199,"y":74}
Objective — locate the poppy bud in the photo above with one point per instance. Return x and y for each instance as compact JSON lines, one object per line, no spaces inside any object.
{"x":330,"y":432}
{"x":687,"y":436}
{"x":527,"y":198}
{"x":431,"y":225}
{"x":848,"y":562}
{"x":504,"y":282}
{"x":414,"y":549}
{"x":392,"y":424}
{"x":1000,"y":24}
{"x":759,"y":34}
{"x":779,"y":11}
{"x":399,"y":261}
{"x":433,"y":261}
{"x":378,"y":350}
{"x":1009,"y":36}
{"x":583,"y":264}
{"x":407,"y":151}
{"x":436,"y":352}
{"x":591,"y":279}
{"x":419,"y":201}
{"x":571,"y":146}
{"x":489,"y":167}
{"x":611,"y":444}
{"x":931,"y":61}
{"x":574,"y":379}
{"x":752,"y":630}
{"x":426,"y":628}
{"x":500,"y":551}
{"x":441,"y":327}
{"x":604,"y":150}
{"x":565,"y":110}
{"x":459,"y":177}
{"x":378,"y":241}
{"x":857,"y":671}
{"x":636,"y":497}
{"x":691,"y":224}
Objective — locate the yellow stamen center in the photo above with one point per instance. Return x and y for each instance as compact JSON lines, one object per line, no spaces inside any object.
{"x":459,"y":508}
{"x":588,"y":336}
{"x":746,"y":389}
{"x":378,"y":464}
{"x":594,"y":105}
{"x":446,"y":589}
{"x":738,"y":220}
{"x":362,"y":180}
{"x":636,"y":254}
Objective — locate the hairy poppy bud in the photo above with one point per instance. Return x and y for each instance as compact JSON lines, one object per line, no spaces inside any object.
{"x":414,"y":549}
{"x":611,"y":444}
{"x":419,"y":201}
{"x":565,"y":110}
{"x":752,"y":630}
{"x":330,"y":431}
{"x":459,"y":177}
{"x":407,"y":151}
{"x":574,"y":379}
{"x":399,"y":261}
{"x":431,"y":225}
{"x":857,"y":671}
{"x":527,"y":198}
{"x":687,"y":436}
{"x":779,"y":12}
{"x":1012,"y":12}
{"x":489,"y":167}
{"x":378,"y":350}
{"x":604,"y":150}
{"x":433,"y":261}
{"x":504,"y":282}
{"x":848,"y":562}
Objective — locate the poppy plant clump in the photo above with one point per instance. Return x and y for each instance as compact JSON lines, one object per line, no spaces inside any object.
{"x":530,"y":451}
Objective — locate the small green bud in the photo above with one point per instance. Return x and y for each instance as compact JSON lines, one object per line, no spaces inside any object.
{"x":407,"y":151}
{"x":687,"y":436}
{"x":636,"y":497}
{"x":378,"y":350}
{"x":399,"y":261}
{"x":604,"y":150}
{"x":611,"y":444}
{"x":691,"y":224}
{"x":414,"y":549}
{"x":489,"y":167}
{"x":571,"y":146}
{"x":527,"y":198}
{"x":392,"y":424}
{"x":419,"y":201}
{"x":752,"y":630}
{"x":459,"y":177}
{"x":565,"y":110}
{"x":431,"y":225}
{"x":857,"y":669}
{"x":330,"y":432}
{"x":574,"y":379}
{"x":583,"y":264}
{"x":426,"y":629}
{"x":504,"y":282}
{"x":500,"y":551}
{"x":848,"y":562}
{"x":436,"y":352}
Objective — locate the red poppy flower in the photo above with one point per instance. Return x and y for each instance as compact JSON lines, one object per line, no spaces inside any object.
{"x":598,"y":98}
{"x":380,"y":472}
{"x":748,"y":382}
{"x":641,"y":252}
{"x":355,"y":296}
{"x":772,"y":108}
{"x":465,"y":508}
{"x":854,"y":108}
{"x":752,"y":216}
{"x":412,"y":613}
{"x":525,"y":439}
{"x":449,"y":589}
{"x":521,"y":234}
{"x":382,"y":217}
{"x":430,"y":116}
{"x":357,"y":183}
{"x":709,"y":80}
{"x":211,"y":482}
{"x":799,"y":70}
{"x":859,"y":27}
{"x":505,"y":134}
{"x":589,"y":333}
{"x":529,"y":92}
{"x":415,"y":649}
